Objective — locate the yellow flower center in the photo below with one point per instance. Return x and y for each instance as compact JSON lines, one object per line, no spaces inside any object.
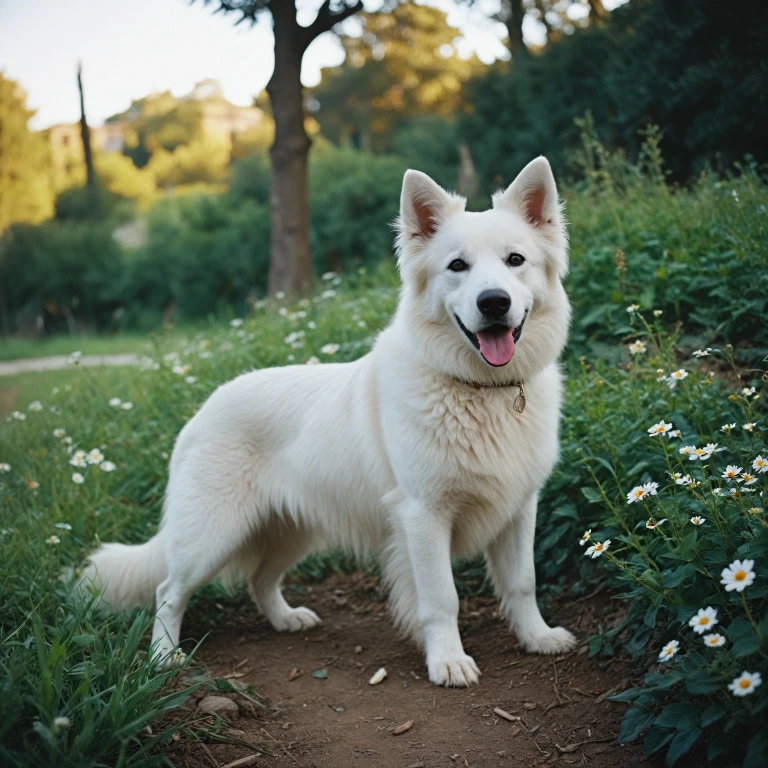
{"x":670,"y":651}
{"x":713,"y":640}
{"x":703,"y":621}
{"x":740,"y":575}
{"x":639,"y":494}
{"x":598,"y":547}
{"x":744,"y":683}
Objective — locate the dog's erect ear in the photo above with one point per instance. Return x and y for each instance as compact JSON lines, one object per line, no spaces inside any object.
{"x":423,"y":207}
{"x":534,"y":194}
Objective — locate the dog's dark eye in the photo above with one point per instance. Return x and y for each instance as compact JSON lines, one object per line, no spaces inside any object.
{"x":515,"y":259}
{"x":458,"y":265}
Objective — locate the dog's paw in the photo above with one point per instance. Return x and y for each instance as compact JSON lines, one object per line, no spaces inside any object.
{"x":553,"y":641}
{"x":296,"y":620}
{"x":454,"y":673}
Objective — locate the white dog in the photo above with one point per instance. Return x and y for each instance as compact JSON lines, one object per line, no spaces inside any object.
{"x":433,"y":445}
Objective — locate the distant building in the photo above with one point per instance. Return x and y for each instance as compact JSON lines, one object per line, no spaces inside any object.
{"x":219,"y":120}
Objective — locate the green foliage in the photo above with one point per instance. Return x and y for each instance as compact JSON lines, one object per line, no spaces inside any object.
{"x":696,"y":254}
{"x":203,"y":254}
{"x":694,"y":67}
{"x":60,"y":270}
{"x":26,"y":194}
{"x":403,"y":63}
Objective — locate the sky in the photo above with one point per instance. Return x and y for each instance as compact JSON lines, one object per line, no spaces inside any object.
{"x":130,"y":48}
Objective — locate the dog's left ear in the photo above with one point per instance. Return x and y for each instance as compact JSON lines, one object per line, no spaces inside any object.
{"x":534,"y":195}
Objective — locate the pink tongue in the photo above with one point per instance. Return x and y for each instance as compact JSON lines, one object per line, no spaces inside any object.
{"x":497,"y":348}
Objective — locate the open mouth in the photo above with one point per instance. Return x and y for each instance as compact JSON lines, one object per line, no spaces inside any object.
{"x":496,"y":343}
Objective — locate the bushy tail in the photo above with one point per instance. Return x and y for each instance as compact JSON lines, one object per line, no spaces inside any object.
{"x":126,"y":575}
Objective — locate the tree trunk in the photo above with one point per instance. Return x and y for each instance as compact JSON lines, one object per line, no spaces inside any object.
{"x":290,"y":257}
{"x":514,"y":13}
{"x":85,"y":133}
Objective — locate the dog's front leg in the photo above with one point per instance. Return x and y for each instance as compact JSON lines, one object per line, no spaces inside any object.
{"x":428,"y":538}
{"x":511,"y":566}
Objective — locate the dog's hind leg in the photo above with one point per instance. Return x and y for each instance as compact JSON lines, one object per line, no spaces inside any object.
{"x":281,"y":545}
{"x":511,"y":567}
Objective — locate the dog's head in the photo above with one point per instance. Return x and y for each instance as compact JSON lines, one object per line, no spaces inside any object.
{"x":483,"y":290}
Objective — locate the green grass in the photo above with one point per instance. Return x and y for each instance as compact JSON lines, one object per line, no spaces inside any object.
{"x":20,"y":348}
{"x":59,"y":659}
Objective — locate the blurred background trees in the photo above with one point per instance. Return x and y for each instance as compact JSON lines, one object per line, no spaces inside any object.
{"x":188,"y":183}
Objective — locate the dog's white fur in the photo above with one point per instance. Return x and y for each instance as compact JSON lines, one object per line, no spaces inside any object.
{"x":399,"y":452}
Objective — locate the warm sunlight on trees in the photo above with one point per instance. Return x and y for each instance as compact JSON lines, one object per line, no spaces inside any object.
{"x":25,"y":187}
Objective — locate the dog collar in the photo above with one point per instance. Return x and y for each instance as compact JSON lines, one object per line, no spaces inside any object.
{"x":518,"y":405}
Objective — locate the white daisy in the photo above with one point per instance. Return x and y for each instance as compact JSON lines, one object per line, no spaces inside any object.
{"x":760,"y":465}
{"x":697,"y":520}
{"x":638,"y":493}
{"x":637,"y":348}
{"x":75,"y":357}
{"x":586,"y":537}
{"x":63,"y":526}
{"x":714,"y":640}
{"x":687,"y":450}
{"x":738,"y":575}
{"x":329,"y":294}
{"x":669,"y":650}
{"x":115,"y":402}
{"x":728,"y":427}
{"x":35,"y":405}
{"x":79,"y":459}
{"x":107,"y":466}
{"x":658,"y":312}
{"x":191,"y":379}
{"x":650,"y":524}
{"x":77,"y":478}
{"x":660,"y":374}
{"x":747,"y":391}
{"x":236,"y":323}
{"x":313,"y":361}
{"x":749,"y":426}
{"x":53,"y":540}
{"x":675,"y":433}
{"x":95,"y":456}
{"x":632,"y":308}
{"x":59,"y":433}
{"x":598,"y":548}
{"x":60,"y":723}
{"x":731,"y":472}
{"x":684,"y":480}
{"x":651,"y":488}
{"x":702,"y":352}
{"x":5,"y":467}
{"x":127,"y":406}
{"x":659,"y":429}
{"x":745,"y":683}
{"x":329,"y":349}
{"x":676,"y":376}
{"x":18,"y":415}
{"x":747,"y":479}
{"x":705,"y":619}
{"x":755,"y":510}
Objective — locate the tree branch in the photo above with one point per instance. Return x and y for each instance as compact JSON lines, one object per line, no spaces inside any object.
{"x":327,"y":18}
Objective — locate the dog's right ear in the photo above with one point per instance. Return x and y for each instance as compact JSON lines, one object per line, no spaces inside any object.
{"x":424,"y":206}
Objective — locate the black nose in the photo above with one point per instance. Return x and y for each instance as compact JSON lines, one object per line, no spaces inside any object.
{"x":494,"y":303}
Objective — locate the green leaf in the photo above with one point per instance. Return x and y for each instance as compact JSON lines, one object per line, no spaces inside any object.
{"x":655,"y":739}
{"x":678,"y":575}
{"x":591,"y":495}
{"x":700,"y":682}
{"x":626,"y":696}
{"x":681,"y":716}
{"x":712,"y":714}
{"x":650,"y":616}
{"x":662,"y":680}
{"x":681,"y":744}
{"x":595,"y":644}
{"x":756,"y":751}
{"x":745,"y":639}
{"x":634,"y":722}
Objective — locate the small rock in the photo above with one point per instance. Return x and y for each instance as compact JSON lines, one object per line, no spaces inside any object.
{"x":503,"y":713}
{"x":378,"y":676}
{"x":403,"y":727}
{"x":218,"y":705}
{"x":358,"y":649}
{"x":294,"y":673}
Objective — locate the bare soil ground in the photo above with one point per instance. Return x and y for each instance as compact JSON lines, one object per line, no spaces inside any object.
{"x":560,"y":715}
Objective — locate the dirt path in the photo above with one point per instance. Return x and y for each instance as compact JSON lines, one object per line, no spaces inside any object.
{"x":558,"y":703}
{"x":57,"y":362}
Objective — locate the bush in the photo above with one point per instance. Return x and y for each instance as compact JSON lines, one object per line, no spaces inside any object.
{"x":65,"y":272}
{"x":647,"y":450}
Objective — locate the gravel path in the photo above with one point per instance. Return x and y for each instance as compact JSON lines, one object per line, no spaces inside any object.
{"x":56,"y":362}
